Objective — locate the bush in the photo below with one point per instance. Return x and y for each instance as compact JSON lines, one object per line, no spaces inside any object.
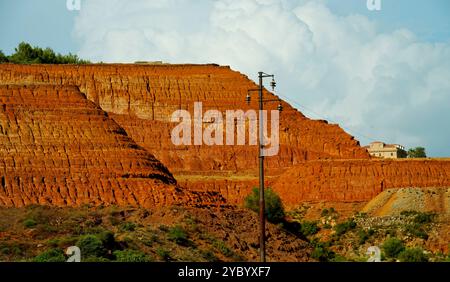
{"x":209,"y":256}
{"x":309,"y":228}
{"x":343,"y":227}
{"x":52,"y":255}
{"x":413,"y":255}
{"x":163,"y":253}
{"x":29,"y":223}
{"x":419,"y":217}
{"x":178,"y":235}
{"x":417,"y":152}
{"x":3,"y":58}
{"x":26,"y":54}
{"x":108,"y":240}
{"x":416,"y":230}
{"x":273,"y":206}
{"x":423,"y":218}
{"x":322,"y":252}
{"x":91,"y":246}
{"x":393,"y":247}
{"x":131,"y":256}
{"x":95,"y":259}
{"x":127,"y":226}
{"x":223,"y":248}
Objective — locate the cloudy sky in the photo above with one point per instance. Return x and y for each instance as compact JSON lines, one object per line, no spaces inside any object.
{"x":382,"y":75}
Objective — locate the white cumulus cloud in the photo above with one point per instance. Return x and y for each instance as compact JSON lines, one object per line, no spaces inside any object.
{"x":382,"y":85}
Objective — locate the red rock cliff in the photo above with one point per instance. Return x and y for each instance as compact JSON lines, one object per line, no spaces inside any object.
{"x":142,"y":98}
{"x":57,"y":147}
{"x":358,"y":180}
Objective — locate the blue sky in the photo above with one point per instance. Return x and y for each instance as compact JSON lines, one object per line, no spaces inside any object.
{"x":382,"y":75}
{"x":50,"y":23}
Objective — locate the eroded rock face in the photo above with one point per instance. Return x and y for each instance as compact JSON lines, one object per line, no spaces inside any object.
{"x":102,"y":133}
{"x":57,"y":147}
{"x":142,"y":98}
{"x":357,"y":180}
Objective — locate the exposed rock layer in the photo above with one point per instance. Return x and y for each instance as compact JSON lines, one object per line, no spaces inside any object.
{"x":143,"y":98}
{"x":358,"y":180}
{"x":57,"y":147}
{"x":92,"y":138}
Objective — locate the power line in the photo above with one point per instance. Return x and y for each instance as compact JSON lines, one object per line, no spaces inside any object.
{"x":354,"y":132}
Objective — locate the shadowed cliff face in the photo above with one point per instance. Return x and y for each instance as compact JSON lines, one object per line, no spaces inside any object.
{"x":142,"y":99}
{"x":57,"y":147}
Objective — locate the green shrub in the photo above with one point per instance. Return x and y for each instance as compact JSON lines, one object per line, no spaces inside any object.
{"x":419,"y":217}
{"x":393,"y":247}
{"x":423,"y":218}
{"x":364,"y":235}
{"x":223,"y":248}
{"x":343,"y":227}
{"x":131,"y":256}
{"x":3,"y":58}
{"x":273,"y":206}
{"x":416,"y":230}
{"x":95,"y":259}
{"x":324,"y":212}
{"x":26,"y":54}
{"x":127,"y":226}
{"x":163,"y":253}
{"x":108,"y":239}
{"x":322,"y":252}
{"x":327,"y":212}
{"x":412,"y":255}
{"x":52,"y":255}
{"x":178,"y":235}
{"x":29,"y":223}
{"x":208,"y":255}
{"x":91,"y":246}
{"x":309,"y":228}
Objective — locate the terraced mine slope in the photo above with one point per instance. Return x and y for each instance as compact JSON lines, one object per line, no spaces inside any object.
{"x":58,"y":148}
{"x":358,"y":180}
{"x":130,"y":107}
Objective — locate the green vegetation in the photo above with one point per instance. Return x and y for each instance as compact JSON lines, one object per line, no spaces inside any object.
{"x":418,"y":152}
{"x":322,"y":252}
{"x":27,"y":54}
{"x":91,"y":246}
{"x":220,"y":245}
{"x":343,"y":227}
{"x":29,"y":223}
{"x":416,"y":230}
{"x":419,"y":217}
{"x":127,"y":226}
{"x":309,"y":228}
{"x":327,"y":212}
{"x":273,"y":206}
{"x":3,"y":58}
{"x":178,"y":235}
{"x":52,"y":255}
{"x":413,"y":255}
{"x":364,"y":235}
{"x":393,"y":247}
{"x":131,"y":256}
{"x":163,"y":253}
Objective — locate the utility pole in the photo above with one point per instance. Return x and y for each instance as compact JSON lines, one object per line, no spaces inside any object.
{"x":262,"y":220}
{"x":262,"y":216}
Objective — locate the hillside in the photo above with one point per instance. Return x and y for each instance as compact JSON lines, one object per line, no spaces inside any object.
{"x":61,"y":149}
{"x":358,"y":181}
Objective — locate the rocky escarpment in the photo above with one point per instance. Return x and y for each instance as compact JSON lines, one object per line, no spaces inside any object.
{"x":142,"y":98}
{"x":358,"y":180}
{"x":57,"y":147}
